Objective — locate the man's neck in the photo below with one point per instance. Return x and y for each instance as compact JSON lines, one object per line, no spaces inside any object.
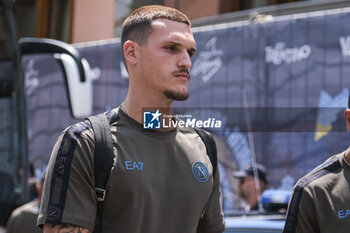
{"x":134,"y":108}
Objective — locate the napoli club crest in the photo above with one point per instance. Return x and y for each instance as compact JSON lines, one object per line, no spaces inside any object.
{"x":200,"y":172}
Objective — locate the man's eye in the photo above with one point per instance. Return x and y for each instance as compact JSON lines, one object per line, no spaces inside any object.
{"x":170,"y":48}
{"x":190,"y":53}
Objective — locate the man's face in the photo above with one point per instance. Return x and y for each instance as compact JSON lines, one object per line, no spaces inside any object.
{"x":165,"y":60}
{"x":247,"y":186}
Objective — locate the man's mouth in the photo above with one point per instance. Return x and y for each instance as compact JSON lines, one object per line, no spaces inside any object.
{"x":182,"y":74}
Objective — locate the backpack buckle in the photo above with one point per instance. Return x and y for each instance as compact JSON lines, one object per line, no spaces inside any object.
{"x":100,"y":193}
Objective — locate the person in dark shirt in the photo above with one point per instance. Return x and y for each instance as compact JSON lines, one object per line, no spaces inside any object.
{"x":320,"y":201}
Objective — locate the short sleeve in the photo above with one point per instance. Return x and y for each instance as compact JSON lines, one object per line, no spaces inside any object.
{"x":307,"y":218}
{"x":212,"y":220}
{"x":69,"y":195}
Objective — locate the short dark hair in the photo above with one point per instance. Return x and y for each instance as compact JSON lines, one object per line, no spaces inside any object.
{"x":138,"y":25}
{"x":249,"y":171}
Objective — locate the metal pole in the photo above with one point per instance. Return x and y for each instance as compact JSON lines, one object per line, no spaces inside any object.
{"x":251,"y":145}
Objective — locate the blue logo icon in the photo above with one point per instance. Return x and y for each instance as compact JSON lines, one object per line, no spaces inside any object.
{"x":151,"y":120}
{"x":200,"y":172}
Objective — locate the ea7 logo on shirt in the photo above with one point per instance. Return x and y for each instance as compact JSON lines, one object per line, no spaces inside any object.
{"x":200,"y":172}
{"x":132,"y":165}
{"x":344,"y":213}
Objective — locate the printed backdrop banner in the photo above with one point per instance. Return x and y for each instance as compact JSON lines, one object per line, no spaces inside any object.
{"x":290,"y":66}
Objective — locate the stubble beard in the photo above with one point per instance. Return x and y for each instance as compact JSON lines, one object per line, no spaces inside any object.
{"x":176,"y":95}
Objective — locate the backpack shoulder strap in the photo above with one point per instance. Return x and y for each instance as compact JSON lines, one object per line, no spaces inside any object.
{"x":103,"y":161}
{"x":210,"y":146}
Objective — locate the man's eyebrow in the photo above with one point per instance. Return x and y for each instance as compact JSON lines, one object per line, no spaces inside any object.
{"x":177,"y":44}
{"x":171,"y":43}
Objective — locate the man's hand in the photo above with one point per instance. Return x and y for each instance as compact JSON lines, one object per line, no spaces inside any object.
{"x":64,"y":228}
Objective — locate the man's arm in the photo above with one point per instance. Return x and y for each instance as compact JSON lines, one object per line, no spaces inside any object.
{"x":213,"y":218}
{"x":69,"y":196}
{"x":301,"y":213}
{"x":64,"y":228}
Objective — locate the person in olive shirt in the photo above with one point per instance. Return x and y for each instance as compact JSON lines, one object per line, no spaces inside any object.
{"x":23,"y":219}
{"x":321,"y":200}
{"x":162,"y":180}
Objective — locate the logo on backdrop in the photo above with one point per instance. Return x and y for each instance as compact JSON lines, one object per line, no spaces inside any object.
{"x":279,"y":54}
{"x":96,"y":73}
{"x":31,"y":77}
{"x":328,"y":109}
{"x":157,"y":120}
{"x":345,"y":45}
{"x":208,"y":61}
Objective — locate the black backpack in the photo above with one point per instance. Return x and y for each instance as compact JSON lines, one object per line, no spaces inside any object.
{"x":103,"y":159}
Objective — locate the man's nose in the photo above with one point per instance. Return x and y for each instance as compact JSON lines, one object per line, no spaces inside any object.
{"x":185,"y":60}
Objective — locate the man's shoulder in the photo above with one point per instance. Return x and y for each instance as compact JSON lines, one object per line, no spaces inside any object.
{"x":321,"y":173}
{"x":192,"y":131}
{"x":84,"y":127}
{"x":199,"y":135}
{"x":187,"y":131}
{"x":31,"y":207}
{"x":78,"y":128}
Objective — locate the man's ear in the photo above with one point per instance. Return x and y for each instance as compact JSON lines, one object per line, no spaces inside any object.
{"x":129,"y":49}
{"x":347,"y":118}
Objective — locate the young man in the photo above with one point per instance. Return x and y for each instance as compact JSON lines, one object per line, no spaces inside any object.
{"x":321,"y":200}
{"x":248,"y":187}
{"x":153,"y":186}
